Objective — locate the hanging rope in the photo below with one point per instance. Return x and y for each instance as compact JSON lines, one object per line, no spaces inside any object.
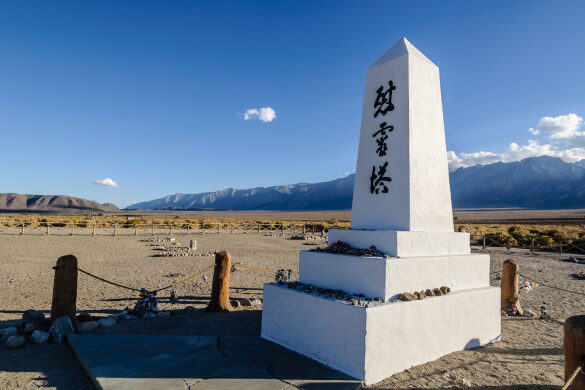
{"x":574,"y":374}
{"x":553,"y":287}
{"x":107,"y":281}
{"x":186,"y":280}
{"x":255,"y":269}
{"x":137,"y":289}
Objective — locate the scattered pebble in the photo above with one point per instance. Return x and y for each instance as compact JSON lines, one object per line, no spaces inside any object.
{"x":84,"y":327}
{"x":245,"y":302}
{"x":15,"y":342}
{"x":343,"y":248}
{"x":29,"y":328}
{"x":107,"y":322}
{"x":39,"y":337}
{"x":235,"y":303}
{"x":61,"y":328}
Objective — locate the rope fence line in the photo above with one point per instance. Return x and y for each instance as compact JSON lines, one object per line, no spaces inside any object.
{"x":550,"y":286}
{"x":174,"y":284}
{"x":578,"y":369}
{"x":142,"y":229}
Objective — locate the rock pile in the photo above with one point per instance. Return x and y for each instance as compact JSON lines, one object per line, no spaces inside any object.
{"x":418,"y":295}
{"x":340,"y":247}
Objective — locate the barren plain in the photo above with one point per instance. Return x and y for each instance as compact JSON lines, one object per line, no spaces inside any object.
{"x":530,"y":355}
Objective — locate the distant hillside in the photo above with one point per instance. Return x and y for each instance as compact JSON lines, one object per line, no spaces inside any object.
{"x":50,"y":203}
{"x":538,"y":182}
{"x":331,"y":195}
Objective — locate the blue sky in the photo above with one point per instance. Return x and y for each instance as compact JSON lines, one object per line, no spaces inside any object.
{"x":153,"y":95}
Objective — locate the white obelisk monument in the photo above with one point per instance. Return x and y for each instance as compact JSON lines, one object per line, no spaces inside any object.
{"x":402,"y":205}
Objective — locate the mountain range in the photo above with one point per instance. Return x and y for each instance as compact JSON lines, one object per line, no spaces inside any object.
{"x":17,"y":203}
{"x":536,"y":182}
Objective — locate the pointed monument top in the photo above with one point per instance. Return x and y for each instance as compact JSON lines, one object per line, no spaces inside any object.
{"x":400,"y":49}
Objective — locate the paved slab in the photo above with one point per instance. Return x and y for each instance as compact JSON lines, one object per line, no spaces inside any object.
{"x":200,"y":362}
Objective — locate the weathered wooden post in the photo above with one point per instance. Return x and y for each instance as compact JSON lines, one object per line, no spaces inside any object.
{"x":135,"y":230}
{"x":152,"y":230}
{"x":483,"y":248}
{"x":304,"y":229}
{"x":509,"y":286}
{"x":220,"y":289}
{"x":218,"y":227}
{"x":48,"y":224}
{"x":22,"y":231}
{"x":532,"y":245}
{"x":282,"y":227}
{"x":65,"y":289}
{"x":561,"y":247}
{"x":72,"y":227}
{"x":94,"y":228}
{"x":115,"y":228}
{"x":574,"y":346}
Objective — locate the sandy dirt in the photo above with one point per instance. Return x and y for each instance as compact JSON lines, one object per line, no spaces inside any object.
{"x":530,"y":355}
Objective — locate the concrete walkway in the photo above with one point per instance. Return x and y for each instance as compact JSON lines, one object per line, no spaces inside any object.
{"x":200,"y":362}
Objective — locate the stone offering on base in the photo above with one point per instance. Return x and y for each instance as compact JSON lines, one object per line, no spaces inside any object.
{"x":402,"y":206}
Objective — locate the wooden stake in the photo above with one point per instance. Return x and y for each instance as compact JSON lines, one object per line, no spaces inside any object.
{"x":509,"y":286}
{"x":574,"y":349}
{"x":65,"y":289}
{"x":220,"y":289}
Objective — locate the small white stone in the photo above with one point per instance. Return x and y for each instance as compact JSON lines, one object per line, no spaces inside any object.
{"x":39,"y":337}
{"x":163,"y":314}
{"x":15,"y":342}
{"x":256,"y":302}
{"x":106,"y":322}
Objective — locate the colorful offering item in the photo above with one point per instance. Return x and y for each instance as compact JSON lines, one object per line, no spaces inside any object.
{"x":542,"y":311}
{"x":146,"y":303}
{"x":282,"y":276}
{"x":174,"y":298}
{"x":343,"y":248}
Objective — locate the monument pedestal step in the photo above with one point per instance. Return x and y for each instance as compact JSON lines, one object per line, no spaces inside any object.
{"x":405,"y":243}
{"x":387,"y":278}
{"x":374,"y":343}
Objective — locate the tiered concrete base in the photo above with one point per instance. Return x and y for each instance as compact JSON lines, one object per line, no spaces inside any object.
{"x":405,"y":243}
{"x":377,"y":277}
{"x":376,"y":342}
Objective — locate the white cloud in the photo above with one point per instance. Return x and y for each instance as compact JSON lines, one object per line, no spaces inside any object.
{"x":562,"y":126}
{"x":107,"y":182}
{"x":565,"y":142}
{"x":265,"y":114}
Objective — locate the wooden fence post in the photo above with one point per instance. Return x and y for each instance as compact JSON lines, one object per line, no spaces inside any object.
{"x":22,"y":230}
{"x":94,"y":228}
{"x":72,"y":227}
{"x":574,"y":345}
{"x":561,"y":247}
{"x":282,"y":227}
{"x":115,"y":228}
{"x":532,"y":245}
{"x":65,"y":289}
{"x":152,"y":230}
{"x":218,"y":227}
{"x":188,"y":229}
{"x":220,"y":289}
{"x":508,"y":245}
{"x":509,"y":286}
{"x":135,"y":230}
{"x":48,"y":229}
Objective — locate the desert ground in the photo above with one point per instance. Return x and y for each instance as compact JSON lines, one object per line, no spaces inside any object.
{"x":529,"y":356}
